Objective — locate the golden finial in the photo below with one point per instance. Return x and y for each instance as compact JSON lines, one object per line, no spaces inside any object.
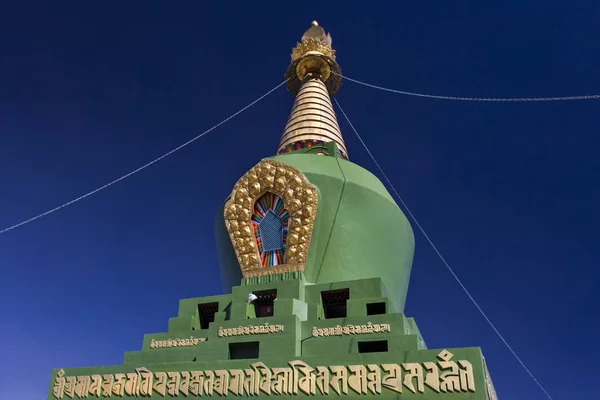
{"x":313,"y":77}
{"x":314,"y":55}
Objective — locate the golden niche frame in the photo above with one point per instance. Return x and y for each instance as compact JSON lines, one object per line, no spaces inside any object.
{"x":299,"y":198}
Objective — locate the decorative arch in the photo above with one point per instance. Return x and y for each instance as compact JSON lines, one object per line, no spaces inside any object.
{"x":265,"y":194}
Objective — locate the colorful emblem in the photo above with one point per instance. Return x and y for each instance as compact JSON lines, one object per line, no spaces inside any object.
{"x":271,"y":236}
{"x":270,"y":225}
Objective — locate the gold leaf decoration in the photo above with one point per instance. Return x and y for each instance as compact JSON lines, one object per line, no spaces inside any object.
{"x":312,"y":45}
{"x":299,"y":198}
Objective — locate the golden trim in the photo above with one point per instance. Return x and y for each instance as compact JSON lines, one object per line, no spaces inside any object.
{"x":314,"y":54}
{"x":313,"y":63}
{"x":312,"y":45}
{"x":299,"y":198}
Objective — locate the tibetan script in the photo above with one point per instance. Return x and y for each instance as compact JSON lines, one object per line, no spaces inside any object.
{"x":249,"y":330}
{"x":297,"y":378}
{"x":340,"y":330}
{"x":192,"y":341}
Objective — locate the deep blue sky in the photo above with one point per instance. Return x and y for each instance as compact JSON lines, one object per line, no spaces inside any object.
{"x":509,"y":192}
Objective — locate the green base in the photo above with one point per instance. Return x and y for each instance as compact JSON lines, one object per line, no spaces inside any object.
{"x":299,"y":309}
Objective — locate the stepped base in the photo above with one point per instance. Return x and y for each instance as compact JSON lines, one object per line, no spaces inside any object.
{"x":361,"y":349}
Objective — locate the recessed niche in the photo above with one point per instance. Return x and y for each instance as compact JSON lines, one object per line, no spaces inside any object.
{"x":334,"y":303}
{"x":227,"y":310}
{"x":243,"y":350}
{"x":264,"y":304}
{"x":376,"y":346}
{"x":376,"y":308}
{"x":206,"y":313}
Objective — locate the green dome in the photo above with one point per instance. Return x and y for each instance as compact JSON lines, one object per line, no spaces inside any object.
{"x":360,"y":232}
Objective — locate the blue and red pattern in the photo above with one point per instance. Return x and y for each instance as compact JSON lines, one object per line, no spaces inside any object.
{"x":273,"y":203}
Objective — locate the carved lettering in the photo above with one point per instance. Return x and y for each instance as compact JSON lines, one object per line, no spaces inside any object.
{"x":339,"y":381}
{"x":249,"y":330}
{"x":132,"y":384}
{"x":146,"y":382}
{"x":118,"y":387}
{"x":236,"y":383}
{"x":209,"y":382}
{"x":221,"y":384}
{"x":96,"y":386}
{"x":196,"y":383}
{"x":160,"y":384}
{"x":467,"y":381}
{"x":432,"y":376}
{"x":107,"y":382}
{"x":263,"y":377}
{"x":450,"y":376}
{"x":173,"y":383}
{"x":70,"y":386}
{"x":283,"y":382}
{"x":374,"y":378}
{"x":414,"y":371}
{"x":393,"y":378}
{"x":305,"y":377}
{"x":298,"y":378}
{"x":159,"y":344}
{"x":250,"y":382}
{"x":59,"y":385}
{"x":184,"y":385}
{"x":323,"y":379}
{"x":82,"y":386}
{"x":339,"y":330}
{"x":358,"y":378}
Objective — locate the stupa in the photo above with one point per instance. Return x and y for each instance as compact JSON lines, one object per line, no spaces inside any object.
{"x":315,"y":258}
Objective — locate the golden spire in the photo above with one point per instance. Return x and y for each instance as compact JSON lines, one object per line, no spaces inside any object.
{"x":313,"y":78}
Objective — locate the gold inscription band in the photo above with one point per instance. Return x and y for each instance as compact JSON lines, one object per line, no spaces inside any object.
{"x":250,"y":330}
{"x":192,"y":341}
{"x":339,"y":330}
{"x":298,"y":378}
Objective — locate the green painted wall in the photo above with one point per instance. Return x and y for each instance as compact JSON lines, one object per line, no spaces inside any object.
{"x":360,"y":232}
{"x":299,"y":308}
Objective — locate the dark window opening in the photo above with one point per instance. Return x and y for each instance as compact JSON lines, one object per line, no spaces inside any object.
{"x":376,"y":308}
{"x":206,"y":312}
{"x":264,"y":304}
{"x":377,"y":346}
{"x":227,"y":312}
{"x":334,"y":303}
{"x":244,"y":350}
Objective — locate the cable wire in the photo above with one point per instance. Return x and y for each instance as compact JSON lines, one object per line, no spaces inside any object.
{"x":474,"y":99}
{"x":143,"y":166}
{"x":440,"y":254}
